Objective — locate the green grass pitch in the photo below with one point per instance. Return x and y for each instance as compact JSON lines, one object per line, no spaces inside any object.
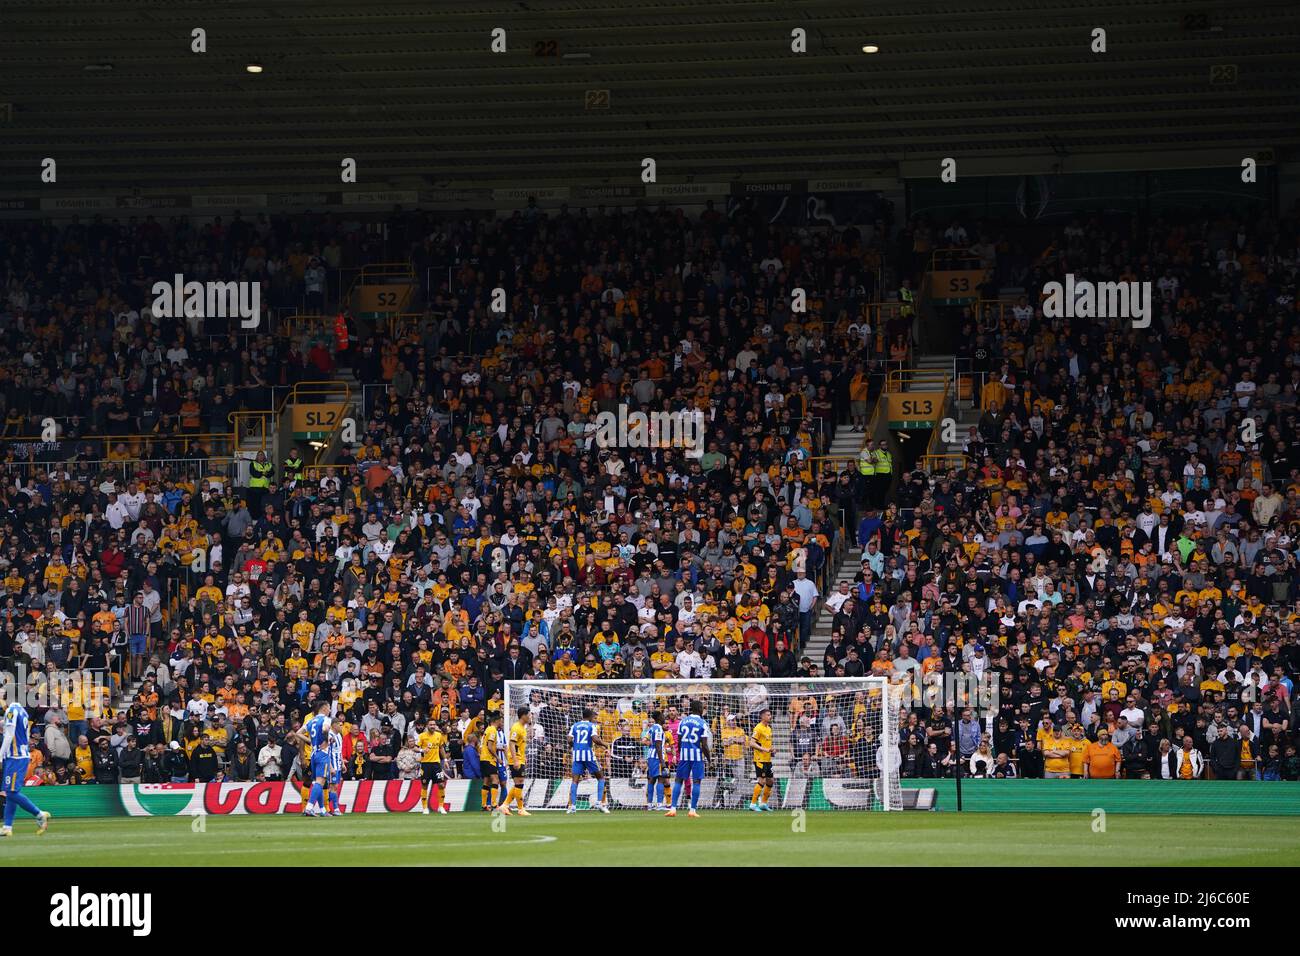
{"x":631,"y":838}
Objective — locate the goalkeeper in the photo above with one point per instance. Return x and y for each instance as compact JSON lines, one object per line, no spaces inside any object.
{"x":733,"y":774}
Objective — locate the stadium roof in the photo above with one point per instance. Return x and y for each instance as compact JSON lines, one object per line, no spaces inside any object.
{"x":710,"y":90}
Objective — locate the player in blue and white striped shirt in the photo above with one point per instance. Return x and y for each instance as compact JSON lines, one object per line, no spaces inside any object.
{"x":336,"y":765}
{"x":315,"y":734}
{"x":652,"y":739}
{"x":692,"y":751}
{"x":16,"y":754}
{"x":584,"y":737}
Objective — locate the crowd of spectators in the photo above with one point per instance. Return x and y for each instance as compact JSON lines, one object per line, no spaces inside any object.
{"x":81,"y":345}
{"x":475,"y":532}
{"x":1120,"y":552}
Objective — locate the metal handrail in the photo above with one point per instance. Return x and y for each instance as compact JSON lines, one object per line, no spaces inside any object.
{"x":381,"y":270}
{"x":875,"y":418}
{"x":929,"y":463}
{"x":964,"y":368}
{"x":899,"y":379}
{"x":815,"y":460}
{"x":951,"y":253}
{"x":295,"y":324}
{"x":246,"y":422}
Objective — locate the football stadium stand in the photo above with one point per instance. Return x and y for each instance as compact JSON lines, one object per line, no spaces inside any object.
{"x":395,"y":491}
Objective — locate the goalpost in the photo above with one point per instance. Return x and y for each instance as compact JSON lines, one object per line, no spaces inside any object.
{"x":834,"y":740}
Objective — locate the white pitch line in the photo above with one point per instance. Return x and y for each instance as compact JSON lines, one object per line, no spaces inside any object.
{"x":407,"y":845}
{"x":536,"y":840}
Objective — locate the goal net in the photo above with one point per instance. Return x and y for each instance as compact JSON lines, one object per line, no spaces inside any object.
{"x":834,"y":741}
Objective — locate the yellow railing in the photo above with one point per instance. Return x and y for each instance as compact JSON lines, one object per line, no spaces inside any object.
{"x":870,"y":431}
{"x":383,"y":270}
{"x":251,"y":426}
{"x":898,"y":380}
{"x":295,"y":325}
{"x":819,"y":463}
{"x":954,"y":258}
{"x":933,"y":463}
{"x":262,"y":422}
{"x":874,"y":420}
{"x":380,"y":273}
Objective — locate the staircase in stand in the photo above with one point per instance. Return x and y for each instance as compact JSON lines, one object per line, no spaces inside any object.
{"x":932,"y":371}
{"x":821,"y":632}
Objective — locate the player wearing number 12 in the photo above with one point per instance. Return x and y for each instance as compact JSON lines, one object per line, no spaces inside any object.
{"x":652,"y":739}
{"x":336,"y":765}
{"x":692,"y":752}
{"x":584,"y":736}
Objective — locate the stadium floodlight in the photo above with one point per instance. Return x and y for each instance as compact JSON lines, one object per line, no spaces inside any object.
{"x":834,"y":740}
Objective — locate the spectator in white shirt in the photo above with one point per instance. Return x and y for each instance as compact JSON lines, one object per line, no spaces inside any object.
{"x":133,"y":498}
{"x":1230,"y":673}
{"x":1266,"y":506}
{"x":835,"y":600}
{"x":1136,"y":716}
{"x":689,"y":663}
{"x":268,"y":758}
{"x":117,"y":512}
{"x":237,"y":589}
{"x":32,"y":646}
{"x":808,"y":594}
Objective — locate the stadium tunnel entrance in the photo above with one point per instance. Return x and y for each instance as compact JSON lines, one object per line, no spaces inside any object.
{"x":908,"y":445}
